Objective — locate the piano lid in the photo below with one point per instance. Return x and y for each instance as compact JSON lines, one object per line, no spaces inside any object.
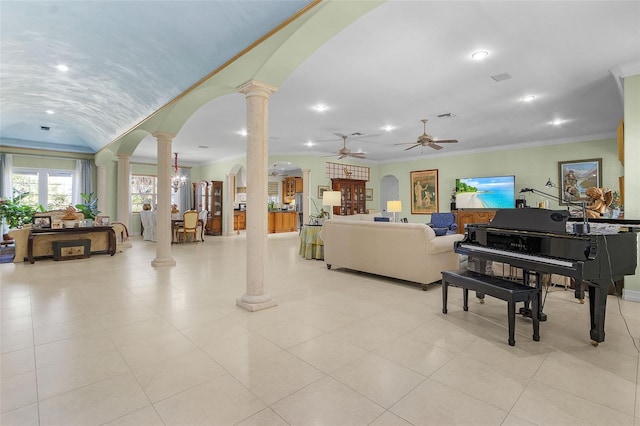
{"x":531,"y":219}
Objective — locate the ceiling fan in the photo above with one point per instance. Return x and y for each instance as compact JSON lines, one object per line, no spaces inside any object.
{"x":275,"y":173}
{"x":427,"y":140}
{"x":346,"y":152}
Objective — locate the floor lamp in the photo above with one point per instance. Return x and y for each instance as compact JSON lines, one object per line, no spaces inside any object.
{"x":394,"y":207}
{"x":331,"y":199}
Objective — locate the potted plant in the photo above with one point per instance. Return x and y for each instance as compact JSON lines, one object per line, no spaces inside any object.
{"x":90,"y":206}
{"x":320,"y":217}
{"x":14,"y":212}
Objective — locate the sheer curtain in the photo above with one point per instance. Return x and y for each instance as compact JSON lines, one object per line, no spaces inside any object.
{"x":6,"y":164}
{"x":185,"y":191}
{"x":84,"y":180}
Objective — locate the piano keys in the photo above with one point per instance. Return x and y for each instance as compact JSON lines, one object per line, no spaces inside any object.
{"x":536,"y":241}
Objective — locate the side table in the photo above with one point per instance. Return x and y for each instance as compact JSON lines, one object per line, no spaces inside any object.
{"x":311,"y":245}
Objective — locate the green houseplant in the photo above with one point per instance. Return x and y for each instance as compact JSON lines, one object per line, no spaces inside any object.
{"x":89,"y":207}
{"x":14,"y":212}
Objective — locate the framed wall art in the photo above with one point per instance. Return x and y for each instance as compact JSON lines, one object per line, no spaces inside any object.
{"x":321,"y":189}
{"x":424,"y":191}
{"x":368,"y":195}
{"x":576,"y":177}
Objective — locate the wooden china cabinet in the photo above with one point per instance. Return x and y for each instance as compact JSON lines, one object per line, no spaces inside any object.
{"x":352,"y":196}
{"x":201,"y":195}
{"x":214,"y":222}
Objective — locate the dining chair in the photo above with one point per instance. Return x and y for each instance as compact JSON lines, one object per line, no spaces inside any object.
{"x":189,"y":226}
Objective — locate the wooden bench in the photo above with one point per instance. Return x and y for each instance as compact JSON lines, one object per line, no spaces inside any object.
{"x":510,"y":291}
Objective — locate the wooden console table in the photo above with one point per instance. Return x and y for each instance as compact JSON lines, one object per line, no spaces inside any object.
{"x":103,"y":240}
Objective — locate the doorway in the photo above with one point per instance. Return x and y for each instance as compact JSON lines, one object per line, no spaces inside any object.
{"x":389,"y":190}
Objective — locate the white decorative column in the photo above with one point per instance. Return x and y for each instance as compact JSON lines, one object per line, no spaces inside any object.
{"x":124,"y":189}
{"x":102,"y":188}
{"x":231,"y":186}
{"x":257,"y":94}
{"x":163,"y":213}
{"x":306,"y":193}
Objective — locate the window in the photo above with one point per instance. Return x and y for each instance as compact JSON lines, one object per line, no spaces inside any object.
{"x":144,"y":189}
{"x":52,"y":189}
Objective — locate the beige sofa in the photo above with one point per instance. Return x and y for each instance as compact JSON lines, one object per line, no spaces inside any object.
{"x":406,"y":251}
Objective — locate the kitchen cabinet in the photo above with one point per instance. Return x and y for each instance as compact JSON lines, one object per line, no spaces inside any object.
{"x":239,"y":220}
{"x":352,"y":196}
{"x":290,"y":186}
{"x":282,"y":222}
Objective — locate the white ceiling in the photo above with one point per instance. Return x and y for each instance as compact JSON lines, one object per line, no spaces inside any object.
{"x":400,"y":63}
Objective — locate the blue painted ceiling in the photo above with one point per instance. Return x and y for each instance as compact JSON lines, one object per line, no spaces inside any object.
{"x":399,"y":63}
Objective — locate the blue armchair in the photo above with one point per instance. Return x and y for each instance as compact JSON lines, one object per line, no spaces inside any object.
{"x":443,"y":223}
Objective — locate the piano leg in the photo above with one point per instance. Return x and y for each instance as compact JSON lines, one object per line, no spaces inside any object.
{"x":597,"y":310}
{"x":579,"y":291}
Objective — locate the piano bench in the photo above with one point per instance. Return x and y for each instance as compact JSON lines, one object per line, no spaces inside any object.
{"x":510,"y":291}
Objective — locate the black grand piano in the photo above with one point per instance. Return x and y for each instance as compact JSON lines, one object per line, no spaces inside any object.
{"x":536,"y":240}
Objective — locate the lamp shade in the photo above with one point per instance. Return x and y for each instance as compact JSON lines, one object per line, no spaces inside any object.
{"x":394,"y":206}
{"x":331,"y":198}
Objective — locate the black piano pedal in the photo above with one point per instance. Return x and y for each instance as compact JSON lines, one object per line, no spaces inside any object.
{"x":526,"y":312}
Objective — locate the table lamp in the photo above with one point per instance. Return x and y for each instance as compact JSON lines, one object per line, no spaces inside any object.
{"x":394,"y":207}
{"x":332,"y":199}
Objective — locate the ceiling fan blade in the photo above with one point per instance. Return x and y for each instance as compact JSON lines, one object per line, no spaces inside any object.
{"x":341,"y":156}
{"x":434,"y":146}
{"x":411,"y":147}
{"x":341,"y":135}
{"x":446,"y":141}
{"x":357,"y":155}
{"x":406,"y":143}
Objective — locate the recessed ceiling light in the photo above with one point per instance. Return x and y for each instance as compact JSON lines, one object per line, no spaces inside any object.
{"x":557,"y":122}
{"x":62,"y":68}
{"x":309,"y":144}
{"x":479,"y":55}
{"x":528,"y":98}
{"x":50,"y":112}
{"x":388,"y":128}
{"x":320,"y":108}
{"x":203,"y":147}
{"x":242,"y":132}
{"x":447,"y":115}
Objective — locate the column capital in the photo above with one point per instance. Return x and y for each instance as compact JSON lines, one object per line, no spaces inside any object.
{"x":164,"y":136}
{"x":257,"y":88}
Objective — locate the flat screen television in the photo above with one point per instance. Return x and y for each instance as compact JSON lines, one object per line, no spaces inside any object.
{"x":490,"y":192}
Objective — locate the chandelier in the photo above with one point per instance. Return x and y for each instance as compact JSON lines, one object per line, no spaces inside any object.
{"x":177,"y":181}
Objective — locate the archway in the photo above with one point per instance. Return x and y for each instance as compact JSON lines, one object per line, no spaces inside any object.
{"x":389,"y":190}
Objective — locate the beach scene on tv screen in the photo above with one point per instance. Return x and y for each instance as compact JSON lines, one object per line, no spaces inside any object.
{"x":496,"y":192}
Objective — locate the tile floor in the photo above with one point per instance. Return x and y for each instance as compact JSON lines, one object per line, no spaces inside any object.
{"x":113,"y":341}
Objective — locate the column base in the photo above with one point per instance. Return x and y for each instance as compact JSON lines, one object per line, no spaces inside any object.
{"x":163,"y":261}
{"x":126,"y":244}
{"x":256,"y":303}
